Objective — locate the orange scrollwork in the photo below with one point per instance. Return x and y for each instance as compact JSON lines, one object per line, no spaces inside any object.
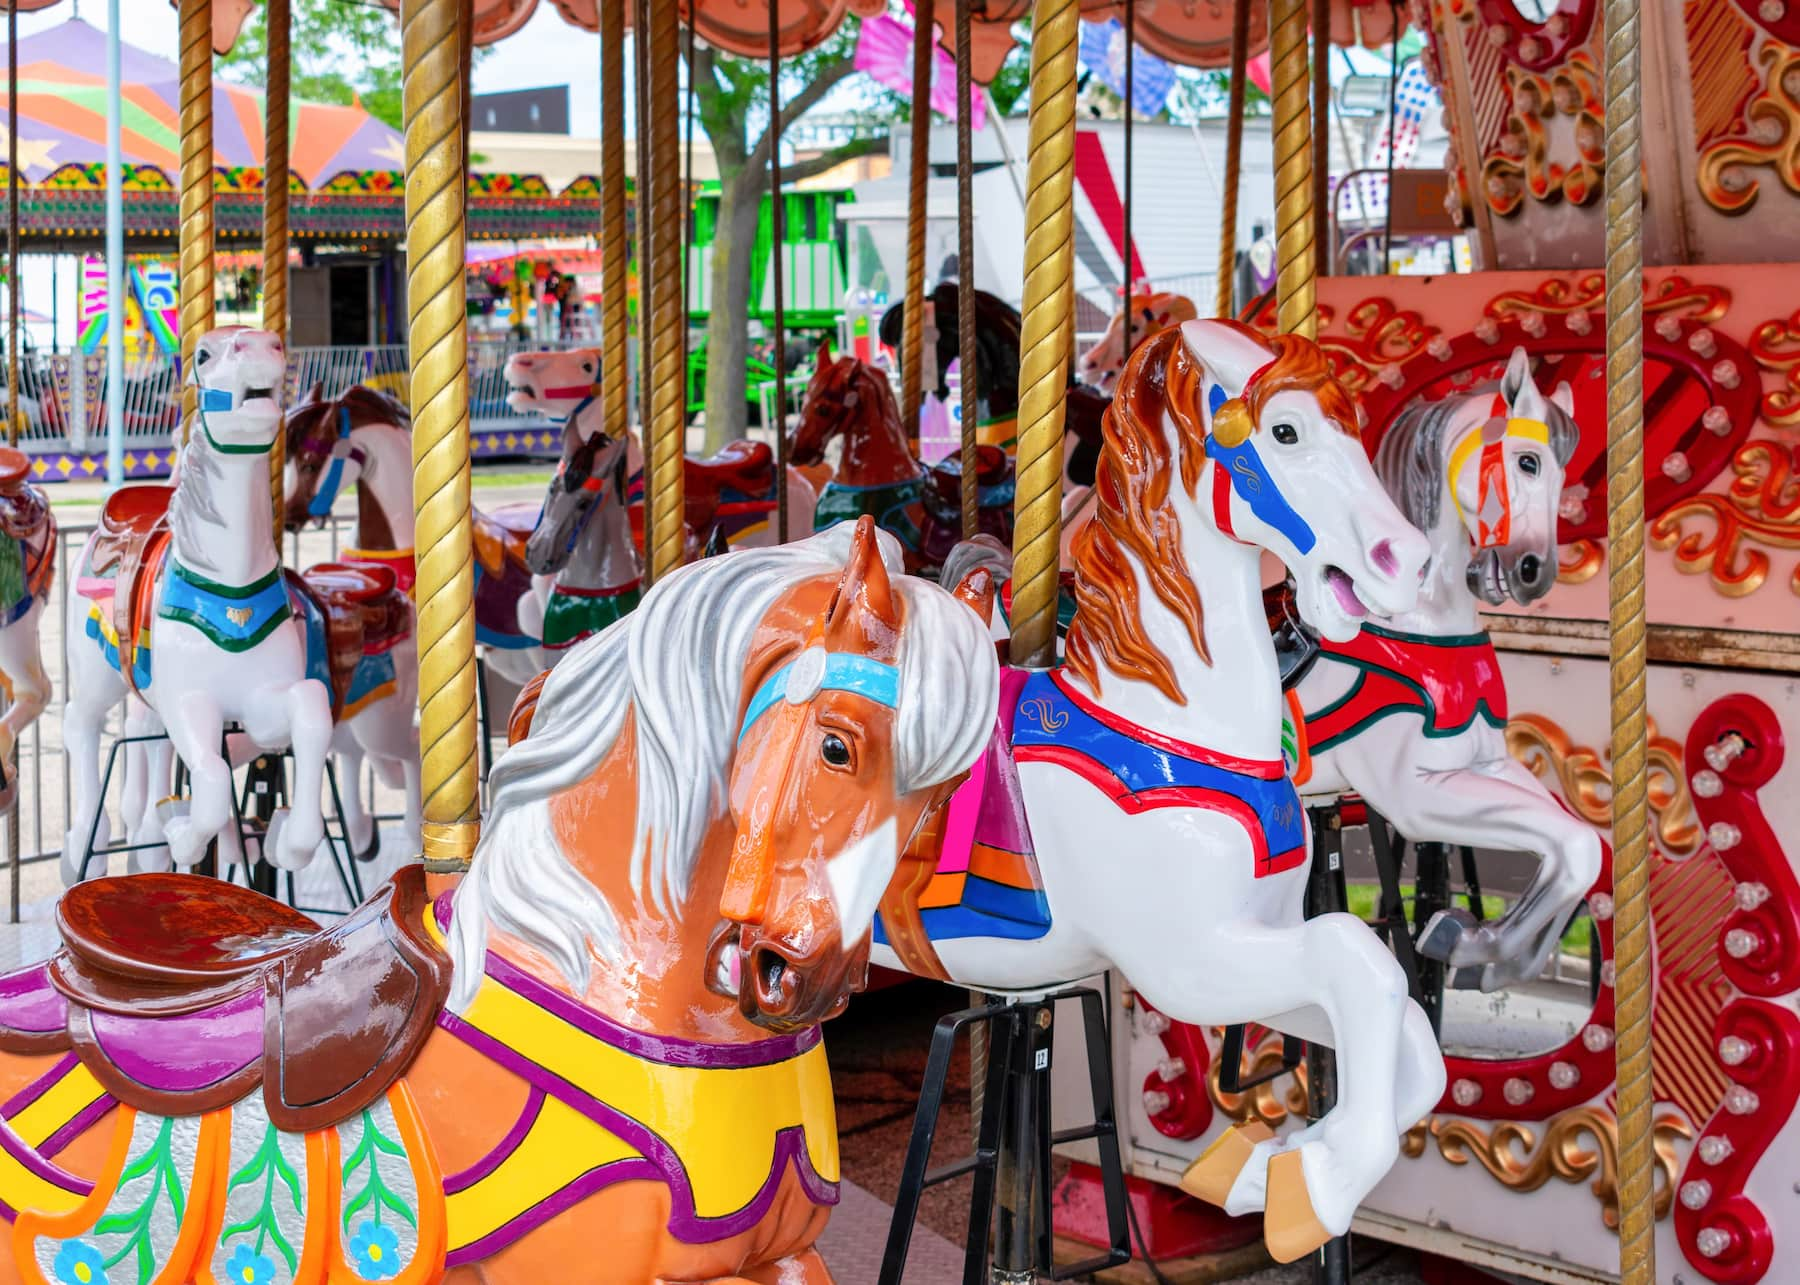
{"x":1521,"y":164}
{"x":1771,"y":137}
{"x":1580,"y":562}
{"x":1776,"y":346}
{"x":1578,"y":1145}
{"x":1762,"y":506}
{"x":1377,"y":335}
{"x":1586,"y":781}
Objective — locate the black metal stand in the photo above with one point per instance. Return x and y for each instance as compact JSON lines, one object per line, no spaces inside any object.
{"x":1009,"y":1209}
{"x":1326,"y":893}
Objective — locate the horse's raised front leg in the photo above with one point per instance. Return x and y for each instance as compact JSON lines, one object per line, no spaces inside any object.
{"x":196,"y":728}
{"x":297,"y":715}
{"x":1500,"y":804}
{"x":28,"y":688}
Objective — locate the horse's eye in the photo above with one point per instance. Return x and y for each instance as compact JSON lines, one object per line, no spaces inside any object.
{"x":1528,"y":464}
{"x":1286,"y":434}
{"x":834,"y":751}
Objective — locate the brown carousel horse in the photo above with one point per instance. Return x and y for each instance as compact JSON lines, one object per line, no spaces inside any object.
{"x":611,"y":1025}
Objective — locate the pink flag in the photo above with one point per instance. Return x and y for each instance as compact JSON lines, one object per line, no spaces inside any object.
{"x":884,"y":50}
{"x":1258,"y":67}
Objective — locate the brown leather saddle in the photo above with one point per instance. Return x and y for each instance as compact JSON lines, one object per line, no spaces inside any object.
{"x":743,"y":470}
{"x":131,"y":539}
{"x":364,"y":612}
{"x":500,"y":536}
{"x":185,"y":992}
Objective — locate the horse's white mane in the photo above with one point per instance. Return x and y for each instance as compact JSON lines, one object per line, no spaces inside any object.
{"x":678,"y":661}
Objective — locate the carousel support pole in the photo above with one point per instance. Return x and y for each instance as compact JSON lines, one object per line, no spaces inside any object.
{"x":1226,"y":305}
{"x":1625,"y":491}
{"x":196,"y":190}
{"x":965,"y":290}
{"x":12,"y":354}
{"x":1130,"y":112}
{"x":275,"y":221}
{"x":646,"y":236}
{"x":912,"y":332}
{"x":1321,"y":134}
{"x":778,"y":272}
{"x":436,"y":193}
{"x":115,"y":257}
{"x":665,"y":444}
{"x":615,"y":391}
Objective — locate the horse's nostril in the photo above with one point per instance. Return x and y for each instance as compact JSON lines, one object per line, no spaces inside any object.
{"x":1529,"y":568}
{"x":1383,"y":559}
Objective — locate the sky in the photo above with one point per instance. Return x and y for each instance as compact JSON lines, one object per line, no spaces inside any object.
{"x":548,"y":51}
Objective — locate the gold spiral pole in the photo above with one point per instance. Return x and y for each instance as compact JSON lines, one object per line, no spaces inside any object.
{"x":196,"y":190}
{"x":275,"y":221}
{"x":1296,"y":271}
{"x":1234,"y":162}
{"x":615,"y":390}
{"x":668,"y":310}
{"x":912,"y":331}
{"x":430,"y":36}
{"x":1625,"y":586}
{"x":965,"y":296}
{"x":1048,"y":334}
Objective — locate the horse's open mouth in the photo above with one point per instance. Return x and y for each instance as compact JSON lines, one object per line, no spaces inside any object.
{"x":1344,"y":589}
{"x":258,"y":394}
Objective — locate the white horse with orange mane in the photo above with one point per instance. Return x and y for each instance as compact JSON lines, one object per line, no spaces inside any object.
{"x":1150,"y":312}
{"x":1134,"y":812}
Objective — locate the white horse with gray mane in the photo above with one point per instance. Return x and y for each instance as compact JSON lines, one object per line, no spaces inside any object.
{"x":180,"y":600}
{"x":1411,"y":714}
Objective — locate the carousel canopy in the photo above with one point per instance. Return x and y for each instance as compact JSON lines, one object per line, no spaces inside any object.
{"x":62,"y":109}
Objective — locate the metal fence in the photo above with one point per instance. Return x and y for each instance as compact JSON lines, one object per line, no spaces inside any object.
{"x":64,"y":396}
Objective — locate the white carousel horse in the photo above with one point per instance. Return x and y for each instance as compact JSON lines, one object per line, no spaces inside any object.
{"x":1143,"y":819}
{"x":27,"y":567}
{"x":180,"y":599}
{"x":1412,"y":713}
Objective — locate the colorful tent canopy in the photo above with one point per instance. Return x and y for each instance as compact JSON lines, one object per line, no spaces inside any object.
{"x":62,"y":104}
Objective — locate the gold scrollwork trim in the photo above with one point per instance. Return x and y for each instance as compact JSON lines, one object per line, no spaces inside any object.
{"x":1762,"y":506}
{"x":1586,"y":781}
{"x":1776,"y":346}
{"x":1772,"y":137}
{"x":1521,"y":165}
{"x":1556,"y":296}
{"x":1271,"y":1102}
{"x":1511,"y":1153}
{"x":1675,"y":293}
{"x":1580,"y":562}
{"x":1376,"y":335}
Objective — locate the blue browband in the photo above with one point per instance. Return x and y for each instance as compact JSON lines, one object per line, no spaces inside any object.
{"x":1251,"y":480}
{"x":333,"y":481}
{"x":843,"y":672}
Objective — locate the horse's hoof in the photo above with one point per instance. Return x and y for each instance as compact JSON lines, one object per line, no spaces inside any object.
{"x":1444,"y":932}
{"x":1211,"y":1176}
{"x":373,"y":849}
{"x":1290,"y":1228}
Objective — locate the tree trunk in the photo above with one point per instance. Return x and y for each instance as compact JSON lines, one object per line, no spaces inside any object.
{"x":728,"y":325}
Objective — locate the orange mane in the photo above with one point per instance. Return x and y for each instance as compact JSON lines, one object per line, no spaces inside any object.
{"x":1134,"y":515}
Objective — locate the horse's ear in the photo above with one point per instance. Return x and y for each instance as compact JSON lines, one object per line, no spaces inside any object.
{"x":865,"y":614}
{"x":1229,"y":353}
{"x":1564,"y":398}
{"x":976,"y":591}
{"x":317,"y":392}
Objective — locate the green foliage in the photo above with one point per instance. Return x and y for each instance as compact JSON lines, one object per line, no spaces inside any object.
{"x":342,"y":53}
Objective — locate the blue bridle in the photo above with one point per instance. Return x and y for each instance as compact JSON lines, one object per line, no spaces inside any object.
{"x":1250,"y":479}
{"x":843,"y":672}
{"x":333,"y":481}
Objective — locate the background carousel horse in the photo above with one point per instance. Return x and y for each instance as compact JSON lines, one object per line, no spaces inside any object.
{"x":27,"y":567}
{"x":577,"y":1039}
{"x":1151,"y":311}
{"x":361,"y":440}
{"x":1134,"y":812}
{"x":1411,"y":714}
{"x":180,"y":600}
{"x":876,"y":473}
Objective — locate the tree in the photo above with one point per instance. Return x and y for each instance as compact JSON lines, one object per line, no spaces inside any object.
{"x":342,"y":53}
{"x":727,"y":90}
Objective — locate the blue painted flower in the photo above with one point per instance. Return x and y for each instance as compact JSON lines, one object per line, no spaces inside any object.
{"x":376,"y":1250}
{"x":79,"y":1263}
{"x":247,"y":1267}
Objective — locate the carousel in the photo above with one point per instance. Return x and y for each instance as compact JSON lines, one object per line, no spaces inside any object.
{"x":1480,"y":583}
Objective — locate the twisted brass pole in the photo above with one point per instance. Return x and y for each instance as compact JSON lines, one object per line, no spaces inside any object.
{"x":666,"y":444}
{"x":1048,"y":333}
{"x":275,"y":220}
{"x":196,"y":190}
{"x":1625,"y":587}
{"x":1321,"y":133}
{"x":912,"y":331}
{"x":1234,"y":154}
{"x":436,"y":191}
{"x":1294,"y":288}
{"x":778,"y":276}
{"x":615,"y":390}
{"x":965,"y":272}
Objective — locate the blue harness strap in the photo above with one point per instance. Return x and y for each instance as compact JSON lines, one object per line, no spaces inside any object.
{"x":1250,"y":479}
{"x":333,"y":481}
{"x":844,"y":672}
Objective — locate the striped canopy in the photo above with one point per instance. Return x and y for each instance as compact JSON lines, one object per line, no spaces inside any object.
{"x":62,"y":103}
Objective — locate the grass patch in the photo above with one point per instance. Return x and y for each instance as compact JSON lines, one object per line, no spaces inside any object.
{"x":1365,"y":903}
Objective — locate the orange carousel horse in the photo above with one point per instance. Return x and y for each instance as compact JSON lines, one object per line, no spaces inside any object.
{"x":600,"y":1057}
